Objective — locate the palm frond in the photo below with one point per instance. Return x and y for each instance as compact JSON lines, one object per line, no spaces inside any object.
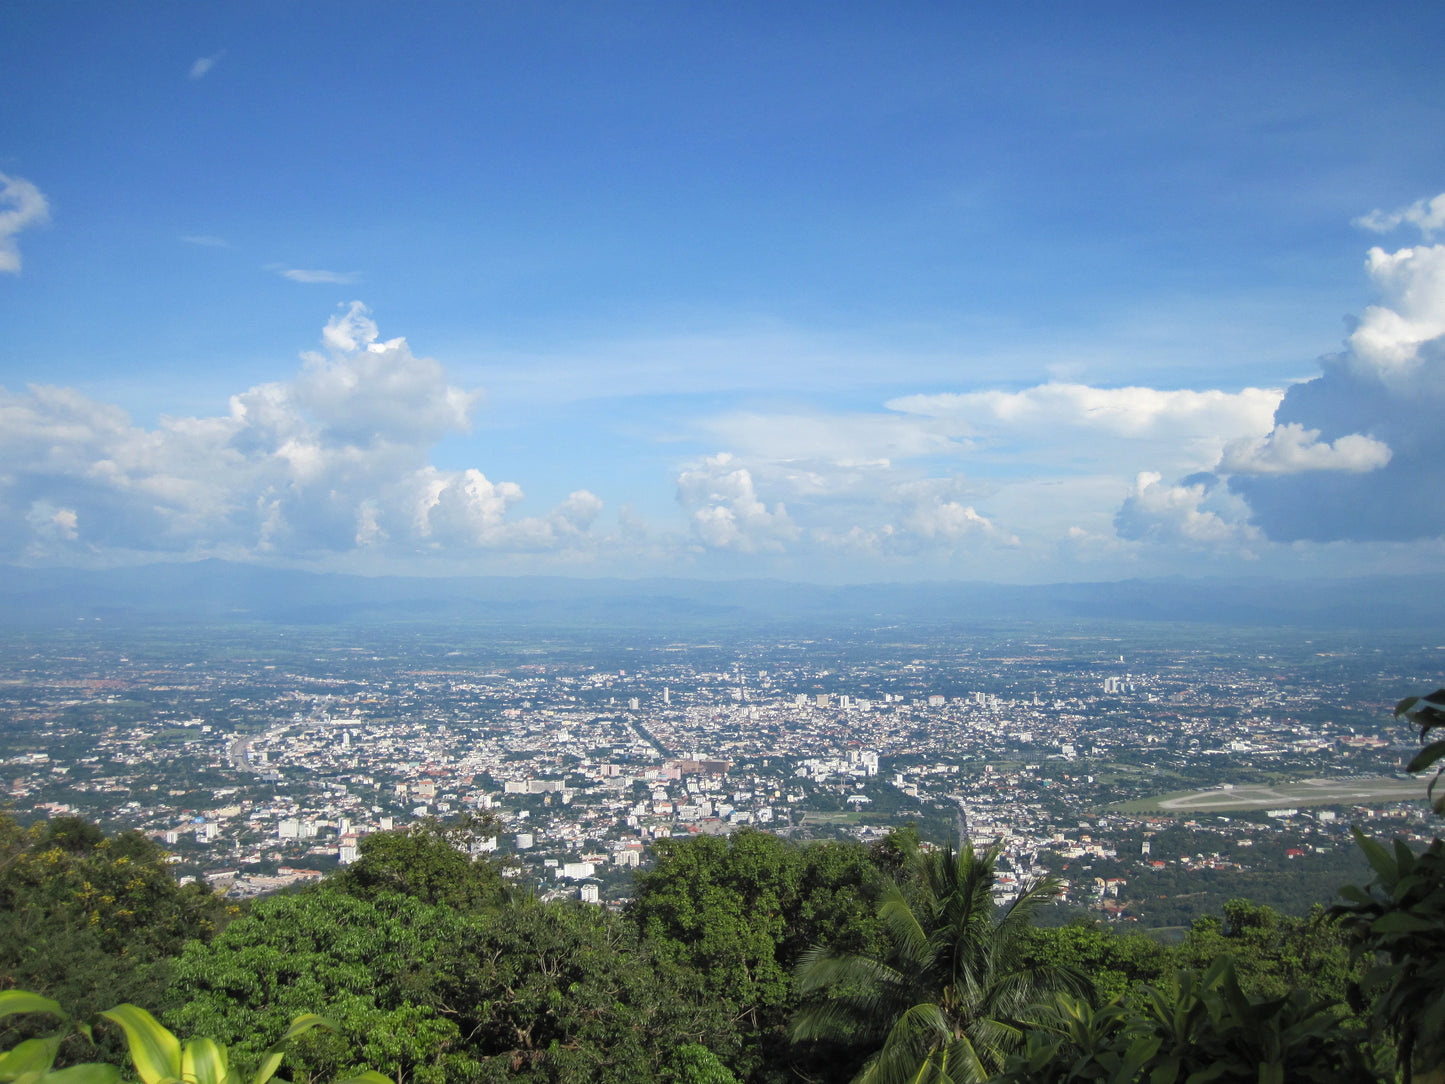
{"x":911,"y":945}
{"x":904,"y":1058}
{"x":819,"y":967}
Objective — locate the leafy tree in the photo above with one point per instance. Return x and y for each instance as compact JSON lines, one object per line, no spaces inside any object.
{"x":1273,"y":953}
{"x":431,"y":861}
{"x":1201,"y":1027}
{"x":89,"y":919}
{"x":1116,"y":963}
{"x":893,"y":853}
{"x":742,"y":910}
{"x":566,"y":992}
{"x":694,"y":1064}
{"x":432,"y":995}
{"x":361,"y":963}
{"x":956,"y":990}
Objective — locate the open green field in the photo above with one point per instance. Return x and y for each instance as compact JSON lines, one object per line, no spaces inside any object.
{"x":814,"y":817}
{"x":1364,"y":790}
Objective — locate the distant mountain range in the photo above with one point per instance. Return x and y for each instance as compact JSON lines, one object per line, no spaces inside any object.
{"x":211,"y":591}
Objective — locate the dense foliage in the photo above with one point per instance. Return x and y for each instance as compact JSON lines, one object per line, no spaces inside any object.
{"x":1196,"y":1028}
{"x":957,"y":985}
{"x":90,"y":920}
{"x":741,"y":911}
{"x":431,"y":862}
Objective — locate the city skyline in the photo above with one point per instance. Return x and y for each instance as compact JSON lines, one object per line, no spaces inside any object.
{"x":824,"y":294}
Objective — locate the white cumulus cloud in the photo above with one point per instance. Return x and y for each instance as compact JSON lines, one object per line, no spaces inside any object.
{"x":725,"y":510}
{"x":1291,"y":448}
{"x":956,"y":476}
{"x":21,"y":206}
{"x":1388,"y":339}
{"x":334,"y":460}
{"x":1358,"y":453}
{"x":1197,"y":513}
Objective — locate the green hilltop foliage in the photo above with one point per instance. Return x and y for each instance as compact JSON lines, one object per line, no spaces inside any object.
{"x":90,"y":920}
{"x":745,"y":958}
{"x":957,"y":983}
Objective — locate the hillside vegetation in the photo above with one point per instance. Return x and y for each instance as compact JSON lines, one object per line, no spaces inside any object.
{"x":745,"y":958}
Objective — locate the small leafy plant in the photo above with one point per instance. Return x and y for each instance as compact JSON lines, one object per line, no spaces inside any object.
{"x":1428,"y":713}
{"x":32,"y":1061}
{"x":157,"y":1056}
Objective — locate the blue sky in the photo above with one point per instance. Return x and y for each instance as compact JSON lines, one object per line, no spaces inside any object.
{"x":849,"y":292}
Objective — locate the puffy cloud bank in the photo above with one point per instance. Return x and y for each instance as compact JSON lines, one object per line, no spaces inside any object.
{"x":335,"y":460}
{"x":967,"y":481}
{"x":1032,"y":482}
{"x":1359,"y":452}
{"x":1196,"y":513}
{"x":1355,"y":455}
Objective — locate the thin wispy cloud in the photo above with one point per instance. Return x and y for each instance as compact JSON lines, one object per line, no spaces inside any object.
{"x":204,"y":64}
{"x":1427,"y":215}
{"x":21,"y":206}
{"x":334,"y":278}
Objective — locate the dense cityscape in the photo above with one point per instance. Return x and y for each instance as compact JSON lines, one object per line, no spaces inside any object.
{"x":1121,"y":756}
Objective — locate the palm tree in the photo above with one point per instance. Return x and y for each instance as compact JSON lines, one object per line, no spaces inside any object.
{"x":955,"y":992}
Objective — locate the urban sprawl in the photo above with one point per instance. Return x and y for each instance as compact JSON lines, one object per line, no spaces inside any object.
{"x":263,"y":757}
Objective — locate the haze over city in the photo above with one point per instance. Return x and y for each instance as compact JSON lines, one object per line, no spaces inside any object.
{"x":839,"y":293}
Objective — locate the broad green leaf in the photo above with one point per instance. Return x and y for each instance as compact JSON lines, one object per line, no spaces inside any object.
{"x":31,"y":1056}
{"x":13,"y":1001}
{"x":304,"y":1023}
{"x":1136,"y":1057}
{"x":269,"y":1064}
{"x":1402,"y":922}
{"x":371,"y":1076}
{"x":90,"y":1073}
{"x":154,"y":1051}
{"x":1210,"y":1073}
{"x":1426,"y":757}
{"x":1355,"y":894}
{"x":1378,"y":857}
{"x":203,"y":1061}
{"x":1166,"y":1072}
{"x":272,"y":1059}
